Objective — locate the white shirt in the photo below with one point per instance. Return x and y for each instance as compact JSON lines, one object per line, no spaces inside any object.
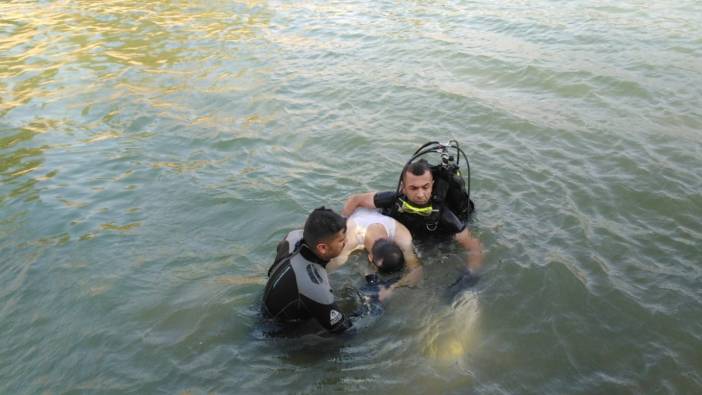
{"x":363,"y":218}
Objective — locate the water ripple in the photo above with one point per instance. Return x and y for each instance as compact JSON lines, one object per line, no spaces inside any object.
{"x":152,"y":154}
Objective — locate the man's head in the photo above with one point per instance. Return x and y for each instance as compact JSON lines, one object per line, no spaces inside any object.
{"x":387,"y":256}
{"x":417,"y":182}
{"x":325,"y":233}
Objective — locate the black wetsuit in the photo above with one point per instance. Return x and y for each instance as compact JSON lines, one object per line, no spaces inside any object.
{"x":298,"y":287}
{"x":442,"y":224}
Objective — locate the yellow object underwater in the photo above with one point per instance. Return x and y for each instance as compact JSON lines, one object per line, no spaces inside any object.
{"x":453,"y":333}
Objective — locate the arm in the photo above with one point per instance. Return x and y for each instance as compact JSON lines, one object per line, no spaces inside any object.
{"x":413,"y":275}
{"x":356,"y":201}
{"x":328,"y":315}
{"x":335,"y":263}
{"x":409,"y":279}
{"x":403,"y":238}
{"x":317,"y":297}
{"x":474,"y":248}
{"x":351,"y":246}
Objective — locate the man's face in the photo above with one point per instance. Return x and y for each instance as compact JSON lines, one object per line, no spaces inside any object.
{"x":332,"y":248}
{"x":418,"y":188}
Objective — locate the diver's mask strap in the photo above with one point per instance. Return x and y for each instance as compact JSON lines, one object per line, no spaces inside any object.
{"x":410,"y":209}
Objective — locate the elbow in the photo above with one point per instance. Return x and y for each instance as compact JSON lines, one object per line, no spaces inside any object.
{"x":349,"y":206}
{"x":353,"y":202}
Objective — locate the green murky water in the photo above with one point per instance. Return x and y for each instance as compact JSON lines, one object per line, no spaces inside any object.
{"x":152,"y":153}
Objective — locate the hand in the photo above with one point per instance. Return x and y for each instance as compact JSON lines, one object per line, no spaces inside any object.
{"x":384,"y":293}
{"x":465,"y":280}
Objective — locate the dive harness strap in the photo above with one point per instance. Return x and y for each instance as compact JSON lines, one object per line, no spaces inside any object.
{"x":404,"y":207}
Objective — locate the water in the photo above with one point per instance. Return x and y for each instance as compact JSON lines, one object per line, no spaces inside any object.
{"x":152,"y":154}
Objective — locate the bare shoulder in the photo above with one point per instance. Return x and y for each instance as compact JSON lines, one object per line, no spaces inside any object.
{"x":401,"y":229}
{"x":403,"y":237}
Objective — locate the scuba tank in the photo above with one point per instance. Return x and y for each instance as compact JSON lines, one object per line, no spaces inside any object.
{"x":450,"y":188}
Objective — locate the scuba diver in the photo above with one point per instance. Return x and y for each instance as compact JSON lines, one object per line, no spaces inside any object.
{"x":389,"y":247}
{"x":298,"y":287}
{"x":432,"y":201}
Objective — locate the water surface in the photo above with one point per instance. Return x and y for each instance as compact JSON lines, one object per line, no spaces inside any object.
{"x":153,"y":153}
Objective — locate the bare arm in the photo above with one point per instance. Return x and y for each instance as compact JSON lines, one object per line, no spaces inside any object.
{"x":336,"y":263}
{"x":413,"y":275}
{"x":474,"y":248}
{"x":351,"y":246}
{"x":356,"y":201}
{"x":339,"y":261}
{"x":403,"y":238}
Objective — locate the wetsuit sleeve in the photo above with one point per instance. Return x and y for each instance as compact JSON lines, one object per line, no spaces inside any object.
{"x":450,"y":223}
{"x":384,"y":199}
{"x":328,"y":315}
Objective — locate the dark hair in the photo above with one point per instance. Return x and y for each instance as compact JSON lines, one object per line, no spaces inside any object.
{"x":322,"y":224}
{"x":417,"y":168}
{"x":387,"y":256}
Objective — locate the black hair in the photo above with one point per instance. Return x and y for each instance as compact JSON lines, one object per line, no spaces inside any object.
{"x":321,"y":225}
{"x":418,"y":168}
{"x":387,"y":256}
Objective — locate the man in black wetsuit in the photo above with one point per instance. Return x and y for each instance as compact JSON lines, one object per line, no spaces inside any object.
{"x":298,"y":287}
{"x":423,"y":214}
